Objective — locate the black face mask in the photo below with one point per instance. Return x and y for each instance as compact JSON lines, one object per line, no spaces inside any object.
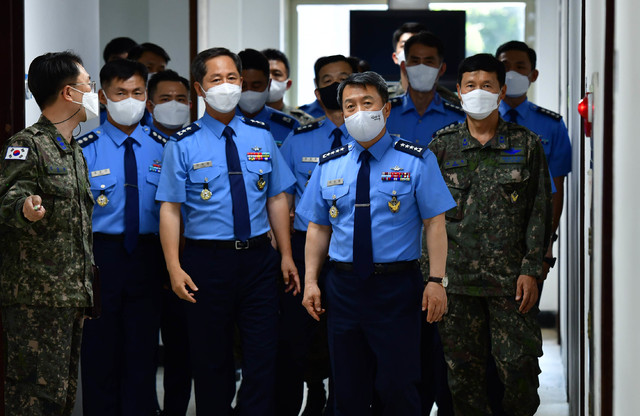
{"x":329,"y":96}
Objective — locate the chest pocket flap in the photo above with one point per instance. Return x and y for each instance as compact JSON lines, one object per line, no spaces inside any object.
{"x":395,"y":188}
{"x":259,"y":167}
{"x":334,"y":192}
{"x":203,"y":175}
{"x":106,"y":182}
{"x":55,"y":182}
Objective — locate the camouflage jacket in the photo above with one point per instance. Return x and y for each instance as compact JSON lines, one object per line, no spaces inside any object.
{"x":47,"y":262}
{"x":302,"y":117}
{"x":501,"y":223}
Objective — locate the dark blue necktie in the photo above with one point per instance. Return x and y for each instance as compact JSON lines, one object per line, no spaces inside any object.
{"x":513,"y":116}
{"x":362,"y":248}
{"x":132,"y":203}
{"x":337,"y":138}
{"x":241,"y":221}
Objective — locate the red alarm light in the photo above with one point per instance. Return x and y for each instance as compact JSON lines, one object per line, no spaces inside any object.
{"x":585,"y":109}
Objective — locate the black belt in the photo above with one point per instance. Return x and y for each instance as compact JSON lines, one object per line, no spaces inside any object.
{"x":381,"y":268}
{"x":120,"y":237}
{"x":255,"y":242}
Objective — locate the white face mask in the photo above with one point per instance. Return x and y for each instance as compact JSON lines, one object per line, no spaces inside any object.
{"x":400,"y":56}
{"x":517,"y":84}
{"x":126,"y":112}
{"x":223,"y":97}
{"x":276,"y":90}
{"x":364,"y":126}
{"x":478,"y":104}
{"x":252,"y":101}
{"x":171,"y":114}
{"x":91,"y":104}
{"x":422,"y":77}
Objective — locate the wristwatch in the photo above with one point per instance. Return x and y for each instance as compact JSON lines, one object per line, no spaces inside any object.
{"x":444,"y":281}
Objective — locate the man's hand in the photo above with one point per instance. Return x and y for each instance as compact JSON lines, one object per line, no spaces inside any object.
{"x":179,"y":283}
{"x":434,"y":300}
{"x":545,"y":265}
{"x":311,"y":300}
{"x":527,"y":291}
{"x":290,"y":275}
{"x":32,"y":208}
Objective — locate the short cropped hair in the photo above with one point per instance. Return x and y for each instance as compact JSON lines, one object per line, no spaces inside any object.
{"x":516,"y":45}
{"x":326,"y":60}
{"x":409,"y":27}
{"x":425,"y":39}
{"x":482,"y":62}
{"x":253,"y":59}
{"x":49,"y":73}
{"x":363,"y":79}
{"x":167,"y":75}
{"x":118,"y":46}
{"x":136,"y":52}
{"x":121,"y":69}
{"x":276,"y":55}
{"x":199,"y":64}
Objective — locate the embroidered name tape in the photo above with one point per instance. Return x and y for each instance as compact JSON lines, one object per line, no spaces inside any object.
{"x":102,"y":172}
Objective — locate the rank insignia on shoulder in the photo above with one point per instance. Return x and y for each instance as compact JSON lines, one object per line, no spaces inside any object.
{"x":396,"y":176}
{"x":410,"y":148}
{"x":337,"y":152}
{"x":445,"y":129}
{"x":307,"y":127}
{"x":16,"y":153}
{"x":88,"y":138}
{"x":256,"y":156}
{"x":255,"y":123}
{"x":157,"y":137}
{"x":61,"y":143}
{"x":396,"y":101}
{"x":453,"y":107}
{"x":187,"y":131}
{"x":283,"y":120}
{"x":549,"y":113}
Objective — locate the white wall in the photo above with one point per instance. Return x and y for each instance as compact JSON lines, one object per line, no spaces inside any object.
{"x":54,"y":26}
{"x":626,"y":285}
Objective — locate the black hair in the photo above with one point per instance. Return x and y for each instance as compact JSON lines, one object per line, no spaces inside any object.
{"x":409,"y":27}
{"x":199,"y":64}
{"x":136,"y":52}
{"x":363,"y":79}
{"x":426,"y":39}
{"x":276,"y":55}
{"x":49,"y":73}
{"x":253,"y":59}
{"x":326,"y":60}
{"x":167,"y":75}
{"x":121,"y":69}
{"x":516,"y":45}
{"x":118,"y":46}
{"x":482,"y":62}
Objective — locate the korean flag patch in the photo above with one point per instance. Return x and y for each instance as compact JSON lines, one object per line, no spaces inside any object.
{"x":16,"y":153}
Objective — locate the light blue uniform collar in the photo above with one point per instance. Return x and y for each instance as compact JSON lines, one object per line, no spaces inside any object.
{"x":378,"y":149}
{"x":522,"y":109}
{"x":118,"y":136}
{"x":217,"y":127}
{"x":435,"y":104}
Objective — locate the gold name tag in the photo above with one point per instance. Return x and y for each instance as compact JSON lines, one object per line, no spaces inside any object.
{"x":102,"y":172}
{"x":201,"y":165}
{"x":310,"y":159}
{"x":334,"y":182}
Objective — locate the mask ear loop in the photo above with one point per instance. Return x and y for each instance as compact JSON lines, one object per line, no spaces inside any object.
{"x":74,"y":135}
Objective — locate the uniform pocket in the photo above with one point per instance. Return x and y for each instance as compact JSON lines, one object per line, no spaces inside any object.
{"x":459,"y":183}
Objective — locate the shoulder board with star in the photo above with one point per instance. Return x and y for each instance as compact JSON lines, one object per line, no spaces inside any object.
{"x":307,"y":127}
{"x":549,"y":113}
{"x":88,"y":138}
{"x":158,"y":137}
{"x":446,"y":129}
{"x":332,"y":154}
{"x":283,"y":119}
{"x":396,"y":101}
{"x":453,"y":107}
{"x":255,"y":123}
{"x":410,"y":148}
{"x":187,"y":131}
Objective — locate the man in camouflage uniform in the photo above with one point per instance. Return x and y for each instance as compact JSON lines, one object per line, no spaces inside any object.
{"x":497,"y":173}
{"x":45,"y":213}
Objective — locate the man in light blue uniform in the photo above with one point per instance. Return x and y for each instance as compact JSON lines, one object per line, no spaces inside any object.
{"x":314,"y":108}
{"x":520,"y":63}
{"x":227,"y":174}
{"x":382,"y":190}
{"x":255,"y":91}
{"x":124,"y":161}
{"x":301,"y":150}
{"x":418,"y":114}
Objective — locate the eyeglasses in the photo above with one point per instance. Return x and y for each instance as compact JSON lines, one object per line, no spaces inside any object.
{"x":91,"y":84}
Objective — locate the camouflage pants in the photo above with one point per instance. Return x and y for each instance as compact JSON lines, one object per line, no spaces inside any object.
{"x":475,"y":327}
{"x":42,"y":347}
